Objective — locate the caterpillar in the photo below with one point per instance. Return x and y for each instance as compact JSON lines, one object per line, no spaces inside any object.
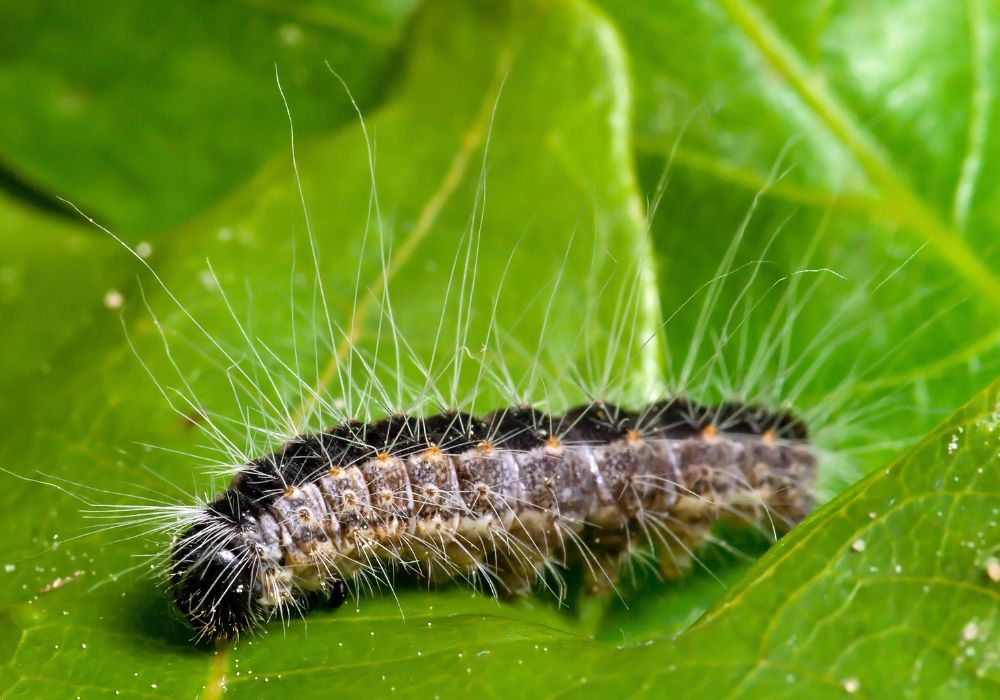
{"x":510,"y":492}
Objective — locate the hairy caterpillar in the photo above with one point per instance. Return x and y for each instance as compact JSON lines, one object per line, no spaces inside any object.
{"x":507,"y":494}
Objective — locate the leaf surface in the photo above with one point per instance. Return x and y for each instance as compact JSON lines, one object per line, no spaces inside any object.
{"x":508,"y":131}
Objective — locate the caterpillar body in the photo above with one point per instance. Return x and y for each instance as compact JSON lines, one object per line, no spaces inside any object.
{"x":500,"y":497}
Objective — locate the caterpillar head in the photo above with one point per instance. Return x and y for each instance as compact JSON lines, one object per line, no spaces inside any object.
{"x":212,"y":578}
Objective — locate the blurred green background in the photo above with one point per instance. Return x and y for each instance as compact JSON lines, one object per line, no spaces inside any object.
{"x":855,"y":136}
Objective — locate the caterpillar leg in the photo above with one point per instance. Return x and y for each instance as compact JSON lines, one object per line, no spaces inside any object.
{"x":332,"y":595}
{"x":525,"y":554}
{"x":676,"y":547}
{"x":608,"y":551}
{"x":337,"y":594}
{"x":519,"y":563}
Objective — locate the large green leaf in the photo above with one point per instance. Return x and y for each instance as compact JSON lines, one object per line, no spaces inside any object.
{"x":865,"y":193}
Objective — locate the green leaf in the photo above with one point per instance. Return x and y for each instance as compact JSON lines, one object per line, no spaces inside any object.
{"x":148,"y":115}
{"x":726,"y":93}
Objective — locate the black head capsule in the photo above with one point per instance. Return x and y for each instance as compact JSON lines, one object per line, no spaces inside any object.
{"x":213,"y":579}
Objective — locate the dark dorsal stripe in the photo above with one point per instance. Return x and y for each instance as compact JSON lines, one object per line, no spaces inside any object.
{"x":520,"y":428}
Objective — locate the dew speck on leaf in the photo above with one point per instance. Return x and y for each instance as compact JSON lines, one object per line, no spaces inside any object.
{"x":993,"y":569}
{"x":113,"y":299}
{"x":970,"y":631}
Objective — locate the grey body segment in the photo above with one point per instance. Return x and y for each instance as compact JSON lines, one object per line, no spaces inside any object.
{"x":511,"y":512}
